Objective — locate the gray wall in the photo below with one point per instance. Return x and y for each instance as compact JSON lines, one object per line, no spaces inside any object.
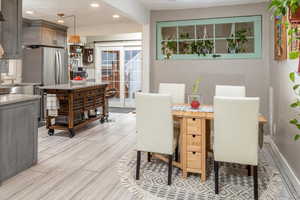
{"x":263,"y":77}
{"x":253,"y":73}
{"x":282,"y":97}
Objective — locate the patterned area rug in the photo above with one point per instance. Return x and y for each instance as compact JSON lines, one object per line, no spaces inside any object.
{"x":234,"y":182}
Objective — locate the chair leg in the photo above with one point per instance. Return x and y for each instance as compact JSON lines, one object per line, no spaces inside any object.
{"x":249,"y":170}
{"x":177,"y":154}
{"x":216,"y":167}
{"x":149,"y":157}
{"x":138,"y":163}
{"x":255,"y":179}
{"x":170,"y":170}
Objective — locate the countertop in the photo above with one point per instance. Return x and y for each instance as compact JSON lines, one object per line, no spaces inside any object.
{"x":16,"y":98}
{"x":71,"y":86}
{"x":18,"y":85}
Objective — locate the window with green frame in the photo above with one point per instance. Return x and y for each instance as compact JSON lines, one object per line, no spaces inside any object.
{"x":218,"y":38}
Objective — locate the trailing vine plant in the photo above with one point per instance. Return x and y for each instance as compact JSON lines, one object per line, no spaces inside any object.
{"x":296,"y":104}
{"x":281,"y":8}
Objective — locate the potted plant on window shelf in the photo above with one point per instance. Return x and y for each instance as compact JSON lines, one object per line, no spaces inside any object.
{"x":282,"y":8}
{"x":195,"y":98}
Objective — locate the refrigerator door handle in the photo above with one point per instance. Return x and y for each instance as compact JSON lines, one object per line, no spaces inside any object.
{"x":60,"y":68}
{"x":57,"y":67}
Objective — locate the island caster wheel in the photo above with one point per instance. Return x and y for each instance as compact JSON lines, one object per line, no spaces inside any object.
{"x":51,"y":132}
{"x":71,"y":133}
{"x":102,"y":120}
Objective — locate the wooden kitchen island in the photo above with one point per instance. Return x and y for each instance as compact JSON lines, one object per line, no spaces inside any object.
{"x":76,"y":103}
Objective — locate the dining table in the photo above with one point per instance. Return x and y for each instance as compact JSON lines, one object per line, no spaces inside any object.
{"x":194,"y":140}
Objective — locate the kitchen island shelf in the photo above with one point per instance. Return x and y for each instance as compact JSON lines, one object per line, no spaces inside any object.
{"x":75,"y":103}
{"x":51,"y":128}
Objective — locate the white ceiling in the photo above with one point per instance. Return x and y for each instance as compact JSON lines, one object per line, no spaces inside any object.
{"x":184,"y":4}
{"x":86,"y":15}
{"x":100,"y":19}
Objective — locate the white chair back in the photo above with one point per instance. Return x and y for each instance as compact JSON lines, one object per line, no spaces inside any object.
{"x":230,"y":91}
{"x":236,"y":130}
{"x":177,"y":91}
{"x":154,"y":123}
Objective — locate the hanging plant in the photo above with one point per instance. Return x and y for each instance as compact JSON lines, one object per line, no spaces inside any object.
{"x":202,"y":47}
{"x":232,"y":45}
{"x":236,"y":44}
{"x":241,"y":39}
{"x":168,"y":48}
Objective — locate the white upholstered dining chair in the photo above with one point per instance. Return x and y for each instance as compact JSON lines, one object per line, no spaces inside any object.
{"x":236,"y":134}
{"x":177,"y":91}
{"x":154,"y":123}
{"x":230,"y":91}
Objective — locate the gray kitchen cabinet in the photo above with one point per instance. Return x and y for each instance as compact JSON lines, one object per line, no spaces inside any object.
{"x":18,"y":137}
{"x":41,"y":32}
{"x":11,"y":28}
{"x":61,"y":37}
{"x":48,"y":36}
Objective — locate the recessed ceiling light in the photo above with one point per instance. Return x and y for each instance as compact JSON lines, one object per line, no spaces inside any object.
{"x":29,"y":12}
{"x":94,"y":5}
{"x":116,"y":16}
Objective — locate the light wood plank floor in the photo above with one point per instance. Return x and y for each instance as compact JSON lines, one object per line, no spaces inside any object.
{"x":78,"y":168}
{"x":81,"y":168}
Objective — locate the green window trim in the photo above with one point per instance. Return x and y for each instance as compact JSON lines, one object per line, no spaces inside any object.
{"x":257,"y":37}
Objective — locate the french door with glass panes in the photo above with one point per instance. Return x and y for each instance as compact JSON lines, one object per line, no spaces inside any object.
{"x":121,"y":67}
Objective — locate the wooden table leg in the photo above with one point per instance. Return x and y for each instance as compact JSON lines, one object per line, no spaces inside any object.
{"x":204,"y":147}
{"x":183,"y":153}
{"x":208,"y":136}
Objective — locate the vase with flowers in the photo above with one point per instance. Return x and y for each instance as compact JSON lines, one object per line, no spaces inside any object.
{"x":195,"y":98}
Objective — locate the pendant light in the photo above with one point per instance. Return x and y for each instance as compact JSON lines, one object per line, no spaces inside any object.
{"x":74,"y":39}
{"x":60,"y":18}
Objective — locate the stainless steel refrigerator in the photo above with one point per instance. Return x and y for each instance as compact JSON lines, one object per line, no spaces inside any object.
{"x":45,"y":65}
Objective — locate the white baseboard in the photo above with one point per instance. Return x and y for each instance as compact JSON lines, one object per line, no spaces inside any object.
{"x":290,"y":177}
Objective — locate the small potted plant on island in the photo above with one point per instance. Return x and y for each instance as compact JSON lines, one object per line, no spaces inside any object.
{"x":194,"y":99}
